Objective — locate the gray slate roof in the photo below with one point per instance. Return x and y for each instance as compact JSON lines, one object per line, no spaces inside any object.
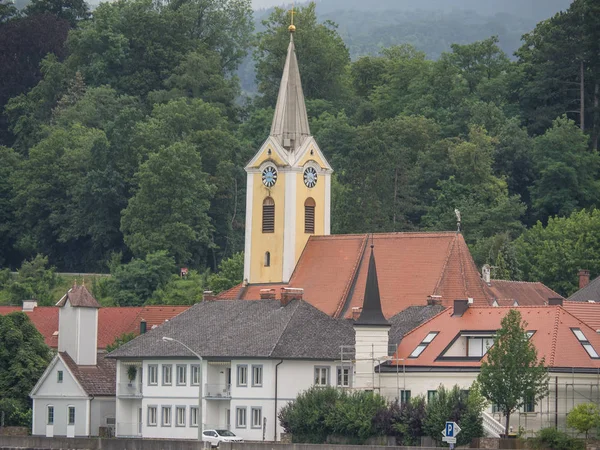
{"x":246,"y":328}
{"x":409,"y":319}
{"x":589,"y":292}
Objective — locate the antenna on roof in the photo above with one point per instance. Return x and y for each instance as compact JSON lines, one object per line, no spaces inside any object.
{"x":457,"y":212}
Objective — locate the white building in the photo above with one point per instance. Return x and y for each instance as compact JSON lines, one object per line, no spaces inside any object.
{"x":75,"y":395}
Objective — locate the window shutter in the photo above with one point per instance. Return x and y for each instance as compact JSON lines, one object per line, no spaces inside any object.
{"x":309,"y":216}
{"x":268,"y":223}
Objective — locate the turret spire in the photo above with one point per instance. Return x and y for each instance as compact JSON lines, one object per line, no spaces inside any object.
{"x":290,"y":122}
{"x":371,"y":313}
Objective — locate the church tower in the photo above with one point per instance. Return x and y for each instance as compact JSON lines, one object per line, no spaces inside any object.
{"x":288,"y":187}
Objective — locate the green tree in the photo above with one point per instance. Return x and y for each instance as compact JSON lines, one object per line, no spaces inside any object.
{"x":70,"y":10}
{"x":180,"y":290}
{"x":322,"y":54}
{"x":23,"y":358}
{"x":509,"y":382}
{"x":170,"y":207}
{"x":230,"y":273}
{"x":584,"y":417}
{"x":120,"y":340}
{"x":8,"y":234}
{"x":35,"y":280}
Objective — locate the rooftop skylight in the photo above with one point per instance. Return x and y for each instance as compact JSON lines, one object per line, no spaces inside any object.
{"x":585,"y":343}
{"x":424,"y":343}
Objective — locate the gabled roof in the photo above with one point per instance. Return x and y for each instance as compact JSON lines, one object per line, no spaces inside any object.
{"x":80,"y":297}
{"x":252,"y":329}
{"x":553,"y":337}
{"x":332,"y":270}
{"x":589,"y":292}
{"x":112,"y":321}
{"x":290,"y":120}
{"x":409,"y":319}
{"x":525,"y":293}
{"x":98,"y":380}
{"x":586,"y":312}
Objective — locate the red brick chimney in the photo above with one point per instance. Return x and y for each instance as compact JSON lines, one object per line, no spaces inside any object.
{"x":356,"y":310}
{"x":434,"y":300}
{"x":584,"y":278}
{"x":267,"y":294}
{"x":289,"y":294}
{"x":208,"y":296}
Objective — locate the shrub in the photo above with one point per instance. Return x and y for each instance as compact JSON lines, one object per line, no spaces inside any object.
{"x":551,"y":438}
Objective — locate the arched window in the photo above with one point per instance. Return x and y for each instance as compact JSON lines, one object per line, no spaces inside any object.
{"x":309,"y":215}
{"x":267,"y":259}
{"x":268,"y":222}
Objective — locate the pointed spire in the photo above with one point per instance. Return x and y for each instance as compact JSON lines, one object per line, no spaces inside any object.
{"x":371,"y":312}
{"x":290,"y":122}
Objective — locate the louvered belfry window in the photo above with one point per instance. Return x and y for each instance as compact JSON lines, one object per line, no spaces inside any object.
{"x":268,"y":222}
{"x":309,"y":216}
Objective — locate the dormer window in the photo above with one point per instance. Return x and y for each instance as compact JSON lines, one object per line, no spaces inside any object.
{"x":586,"y":344}
{"x":424,"y":343}
{"x":469,"y":346}
{"x":477,"y":346}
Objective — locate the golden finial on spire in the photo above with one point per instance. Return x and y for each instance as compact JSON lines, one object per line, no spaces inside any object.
{"x":292,"y":27}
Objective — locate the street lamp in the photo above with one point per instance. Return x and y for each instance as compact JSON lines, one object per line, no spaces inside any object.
{"x":199,"y":417}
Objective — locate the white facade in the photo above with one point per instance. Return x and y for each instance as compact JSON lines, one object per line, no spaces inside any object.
{"x":78,"y":333}
{"x":238,"y":394}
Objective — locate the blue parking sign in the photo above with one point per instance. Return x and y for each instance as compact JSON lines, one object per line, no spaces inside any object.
{"x":449,"y":429}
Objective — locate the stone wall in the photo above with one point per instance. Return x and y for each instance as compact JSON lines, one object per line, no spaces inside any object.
{"x":14,"y":431}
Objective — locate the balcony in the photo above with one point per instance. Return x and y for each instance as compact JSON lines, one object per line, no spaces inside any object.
{"x":129,"y":390}
{"x":217,"y":391}
{"x":125,"y":429}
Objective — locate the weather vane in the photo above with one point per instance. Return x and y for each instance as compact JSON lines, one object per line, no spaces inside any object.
{"x":292,"y":27}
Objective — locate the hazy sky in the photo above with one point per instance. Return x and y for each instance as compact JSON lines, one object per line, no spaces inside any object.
{"x":257,"y":4}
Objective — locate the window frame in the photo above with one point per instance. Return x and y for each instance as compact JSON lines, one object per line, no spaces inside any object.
{"x":167,"y":368}
{"x":339,"y":374}
{"x":257,"y":383}
{"x":239,"y":369}
{"x":320,"y":377}
{"x":260,"y":417}
{"x":529,"y":405}
{"x":194,"y":373}
{"x":585,"y":343}
{"x":152,"y":375}
{"x":194,"y":412}
{"x":178,"y":368}
{"x":71,"y":411}
{"x":60,"y":376}
{"x":49,"y":414}
{"x":178,"y":409}
{"x":404,"y":396}
{"x":268,"y":212}
{"x":152,"y":413}
{"x":427,"y":340}
{"x":169,"y":410}
{"x":309,"y":215}
{"x":431,"y":395}
{"x":238,"y":410}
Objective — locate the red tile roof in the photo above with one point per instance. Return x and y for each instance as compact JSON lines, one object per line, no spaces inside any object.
{"x":587,"y":312}
{"x":112,"y":321}
{"x":98,"y":380}
{"x":332,"y":270}
{"x":232,"y":293}
{"x":524,"y":293}
{"x":553,"y":337}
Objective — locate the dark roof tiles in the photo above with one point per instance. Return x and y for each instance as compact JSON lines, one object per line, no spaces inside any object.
{"x":98,"y":380}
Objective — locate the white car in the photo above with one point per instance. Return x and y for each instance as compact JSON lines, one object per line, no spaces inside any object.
{"x":215,"y":437}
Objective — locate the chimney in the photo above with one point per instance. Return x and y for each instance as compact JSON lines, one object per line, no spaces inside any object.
{"x":460,"y":307}
{"x":555,"y":301}
{"x":486,"y":273}
{"x":289,"y":294}
{"x":584,"y":278}
{"x":143,"y":326}
{"x":29,"y":305}
{"x":356,"y":310}
{"x":267,"y":294}
{"x":434,"y":300}
{"x":208,"y":296}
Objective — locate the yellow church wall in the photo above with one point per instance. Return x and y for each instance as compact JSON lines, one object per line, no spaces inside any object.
{"x":263,"y":242}
{"x":264,"y":156}
{"x":302,"y":193}
{"x":314,"y":157}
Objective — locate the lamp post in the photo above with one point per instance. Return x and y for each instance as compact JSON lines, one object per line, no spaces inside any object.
{"x":199,"y":417}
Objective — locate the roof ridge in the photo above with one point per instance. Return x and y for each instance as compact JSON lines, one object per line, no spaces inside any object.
{"x":278,"y":340}
{"x":462,"y":266}
{"x":444,"y":267}
{"x":353,"y":278}
{"x":427,"y":321}
{"x":423,"y":234}
{"x":554,"y":336}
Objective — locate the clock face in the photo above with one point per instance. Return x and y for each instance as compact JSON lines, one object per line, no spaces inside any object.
{"x":269,"y":176}
{"x":310,"y":177}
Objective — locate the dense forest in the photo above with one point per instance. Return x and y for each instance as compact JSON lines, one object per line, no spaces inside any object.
{"x":124,"y":135}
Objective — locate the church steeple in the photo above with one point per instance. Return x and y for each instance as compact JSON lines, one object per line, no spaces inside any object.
{"x":371,"y":313}
{"x":290,"y":122}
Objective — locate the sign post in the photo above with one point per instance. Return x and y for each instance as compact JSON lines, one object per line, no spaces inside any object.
{"x":449,"y":432}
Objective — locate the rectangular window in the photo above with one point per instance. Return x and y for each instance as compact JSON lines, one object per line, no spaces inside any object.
{"x":242,"y":375}
{"x":180,"y":416}
{"x":240,"y":417}
{"x":152,"y":375}
{"x":50,"y":415}
{"x":181,"y":374}
{"x":431,"y":396}
{"x":59,"y":376}
{"x":195,"y":368}
{"x":257,"y":375}
{"x":71,"y":414}
{"x":478,"y":346}
{"x":309,"y":218}
{"x":321,"y":376}
{"x":166,"y":416}
{"x":423,"y":345}
{"x":194,"y":416}
{"x":404,"y":396}
{"x":151,"y":416}
{"x":585,"y":343}
{"x":529,"y":405}
{"x":256,"y":417}
{"x":343,"y":377}
{"x":167,"y":372}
